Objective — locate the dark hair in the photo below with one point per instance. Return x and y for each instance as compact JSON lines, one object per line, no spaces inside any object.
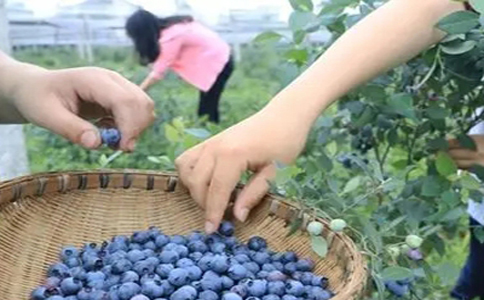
{"x":144,"y":28}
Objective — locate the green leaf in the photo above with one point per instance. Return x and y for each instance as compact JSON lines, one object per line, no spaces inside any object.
{"x":453,"y":37}
{"x":352,"y":185}
{"x":198,"y":133}
{"x":302,"y":5}
{"x":298,"y":56}
{"x":447,"y":272}
{"x":469,"y":182}
{"x":301,"y":20}
{"x":453,"y":215}
{"x":325,"y":162}
{"x":458,"y":47}
{"x":450,"y":198}
{"x":467,"y":142}
{"x":459,"y":22}
{"x":268,"y":37}
{"x":171,"y":133}
{"x":319,"y":245}
{"x":478,"y":5}
{"x":402,"y":104}
{"x":479,"y":233}
{"x":477,"y":170}
{"x":438,"y":144}
{"x":430,"y":187}
{"x":445,"y":164}
{"x":295,"y":225}
{"x":436,"y":112}
{"x":396,"y":273}
{"x":154,"y":159}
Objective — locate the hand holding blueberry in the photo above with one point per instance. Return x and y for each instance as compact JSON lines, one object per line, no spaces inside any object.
{"x":63,"y":100}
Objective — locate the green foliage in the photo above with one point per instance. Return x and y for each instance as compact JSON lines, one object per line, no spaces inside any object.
{"x":406,"y":182}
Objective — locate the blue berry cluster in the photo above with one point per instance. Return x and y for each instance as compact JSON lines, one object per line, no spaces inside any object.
{"x":152,"y":265}
{"x":399,"y":288}
{"x":110,"y":136}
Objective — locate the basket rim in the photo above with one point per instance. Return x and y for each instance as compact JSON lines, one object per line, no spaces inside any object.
{"x":15,"y":188}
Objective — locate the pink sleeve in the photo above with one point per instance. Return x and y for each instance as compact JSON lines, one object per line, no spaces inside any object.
{"x":168,"y":54}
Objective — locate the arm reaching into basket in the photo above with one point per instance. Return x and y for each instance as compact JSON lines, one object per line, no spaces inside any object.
{"x":391,"y":35}
{"x":61,"y":100}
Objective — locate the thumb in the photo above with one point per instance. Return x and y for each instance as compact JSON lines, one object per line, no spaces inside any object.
{"x":75,"y":129}
{"x":253,"y":192}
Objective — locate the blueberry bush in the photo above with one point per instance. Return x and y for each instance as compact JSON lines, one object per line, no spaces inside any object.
{"x":375,"y":164}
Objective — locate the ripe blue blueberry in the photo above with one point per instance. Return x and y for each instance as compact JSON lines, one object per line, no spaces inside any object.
{"x":269,"y":267}
{"x":257,"y":243}
{"x":69,"y":252}
{"x":262,"y":274}
{"x":59,"y":270}
{"x":226,"y":228}
{"x":320,"y":281}
{"x":56,"y":297}
{"x":220,"y":264}
{"x":289,"y":297}
{"x":39,"y":293}
{"x":195,"y":236}
{"x":230,"y":241}
{"x":237,"y":272}
{"x":164,"y":270}
{"x":197,"y":246}
{"x":115,"y":256}
{"x":168,"y":288}
{"x":182,"y":251}
{"x":396,"y":289}
{"x":242,"y":258}
{"x":289,"y":257}
{"x":290,"y":268}
{"x":140,"y":297}
{"x":149,"y":277}
{"x":218,"y":247}
{"x":184,"y":262}
{"x":305,"y":265}
{"x":111,"y":280}
{"x":252,"y":267}
{"x":205,"y":263}
{"x":240,"y":290}
{"x":129,"y":276}
{"x":294,"y":288}
{"x":194,"y":273}
{"x":110,"y":136}
{"x":161,"y":241}
{"x":276,"y":288}
{"x":195,"y":256}
{"x":261,"y":258}
{"x":136,"y":255}
{"x":70,"y":286}
{"x":271,"y":297}
{"x":178,"y":277}
{"x":208,"y":295}
{"x":150,"y":245}
{"x":227,"y":282}
{"x":257,"y":287}
{"x":178,"y":239}
{"x":186,"y":292}
{"x":153,"y":261}
{"x":53,"y":282}
{"x":128,"y":290}
{"x":135,"y":246}
{"x":120,"y":266}
{"x":153,"y":289}
{"x":231,"y":296}
{"x":143,"y":267}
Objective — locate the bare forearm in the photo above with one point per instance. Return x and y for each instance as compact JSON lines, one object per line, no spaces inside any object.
{"x":9,"y":78}
{"x":393,"y":34}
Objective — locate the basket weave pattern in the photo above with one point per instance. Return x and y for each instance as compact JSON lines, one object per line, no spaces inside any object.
{"x":41,"y":213}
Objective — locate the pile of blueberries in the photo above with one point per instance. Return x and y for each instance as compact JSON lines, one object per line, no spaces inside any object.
{"x":152,"y":265}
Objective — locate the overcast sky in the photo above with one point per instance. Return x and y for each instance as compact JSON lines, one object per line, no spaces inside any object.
{"x":209,"y":9}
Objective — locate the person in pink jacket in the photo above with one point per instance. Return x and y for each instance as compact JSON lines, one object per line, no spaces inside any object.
{"x":196,"y":53}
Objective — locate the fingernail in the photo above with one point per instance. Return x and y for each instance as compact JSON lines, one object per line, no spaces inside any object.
{"x":89,"y":139}
{"x":243,"y":214}
{"x":210,"y":227}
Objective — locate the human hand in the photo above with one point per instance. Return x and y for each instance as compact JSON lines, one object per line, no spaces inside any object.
{"x":212,"y":169}
{"x":62,"y":100}
{"x":466,"y":158}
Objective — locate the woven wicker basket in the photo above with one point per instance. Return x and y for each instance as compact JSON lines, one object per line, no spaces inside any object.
{"x":39,"y":214}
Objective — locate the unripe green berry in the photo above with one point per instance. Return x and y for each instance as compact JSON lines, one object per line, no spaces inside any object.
{"x":337,"y":225}
{"x":315,"y":228}
{"x":413,"y":241}
{"x":394,"y":251}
